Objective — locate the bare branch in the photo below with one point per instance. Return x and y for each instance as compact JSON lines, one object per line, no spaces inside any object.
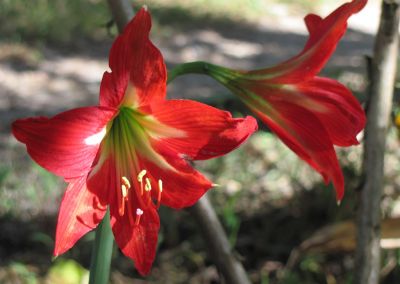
{"x":382,"y":77}
{"x":218,"y":243}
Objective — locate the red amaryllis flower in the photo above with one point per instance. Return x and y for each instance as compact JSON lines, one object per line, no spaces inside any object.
{"x":309,"y":114}
{"x":131,"y":152}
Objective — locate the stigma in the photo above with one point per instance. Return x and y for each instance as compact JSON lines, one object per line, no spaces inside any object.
{"x":139,"y":213}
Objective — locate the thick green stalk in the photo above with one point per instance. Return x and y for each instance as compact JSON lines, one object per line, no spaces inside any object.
{"x":220,"y":74}
{"x":101,"y":253}
{"x":197,"y":67}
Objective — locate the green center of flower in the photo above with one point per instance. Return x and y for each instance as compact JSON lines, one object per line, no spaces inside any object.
{"x":130,"y":134}
{"x":128,"y":143}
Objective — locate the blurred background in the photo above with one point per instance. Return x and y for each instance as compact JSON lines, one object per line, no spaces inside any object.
{"x":282,"y":220}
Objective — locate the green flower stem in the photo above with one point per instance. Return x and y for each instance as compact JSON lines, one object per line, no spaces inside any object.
{"x":220,"y":74}
{"x":197,"y":67}
{"x":101,"y":253}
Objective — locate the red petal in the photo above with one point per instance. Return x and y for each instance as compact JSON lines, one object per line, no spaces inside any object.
{"x":102,"y":180}
{"x":137,"y":242}
{"x":67,"y":143}
{"x":207,"y":132}
{"x":80,"y":212}
{"x":183,"y":186}
{"x":134,"y":61}
{"x":111,"y":90}
{"x":333,"y":104}
{"x":336,"y":107}
{"x":324,"y":36}
{"x":302,"y":132}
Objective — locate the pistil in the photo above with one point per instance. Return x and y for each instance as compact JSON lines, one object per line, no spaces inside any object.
{"x":139,"y":213}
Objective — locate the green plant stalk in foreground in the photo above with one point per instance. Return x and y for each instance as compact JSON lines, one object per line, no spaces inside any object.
{"x":102,"y":252}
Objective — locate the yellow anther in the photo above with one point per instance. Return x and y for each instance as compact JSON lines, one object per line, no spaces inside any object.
{"x":125,"y":186}
{"x":148,"y":185}
{"x":140,"y":180}
{"x":126,"y":182}
{"x":124,"y":190}
{"x":141,"y":175}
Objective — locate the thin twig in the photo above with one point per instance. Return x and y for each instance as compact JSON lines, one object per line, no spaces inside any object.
{"x":218,"y":243}
{"x":382,"y":78}
{"x":122,"y":12}
{"x":215,"y":236}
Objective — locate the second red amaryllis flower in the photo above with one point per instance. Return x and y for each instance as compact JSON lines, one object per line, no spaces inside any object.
{"x":309,"y":114}
{"x":131,"y":152}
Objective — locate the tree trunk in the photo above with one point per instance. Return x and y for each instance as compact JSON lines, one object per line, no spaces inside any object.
{"x":382,"y":72}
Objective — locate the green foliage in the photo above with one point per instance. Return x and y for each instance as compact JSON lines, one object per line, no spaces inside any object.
{"x":67,"y":271}
{"x":234,"y":9}
{"x":311,"y":264}
{"x":52,"y":20}
{"x":25,"y":187}
{"x":4,"y":173}
{"x":61,"y":21}
{"x":291,"y":278}
{"x":23,"y":273}
{"x":231,"y":218}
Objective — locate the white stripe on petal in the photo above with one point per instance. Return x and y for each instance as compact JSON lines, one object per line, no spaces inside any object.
{"x":95,"y":139}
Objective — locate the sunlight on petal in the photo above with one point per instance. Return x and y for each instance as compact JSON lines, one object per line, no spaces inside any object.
{"x":95,"y":139}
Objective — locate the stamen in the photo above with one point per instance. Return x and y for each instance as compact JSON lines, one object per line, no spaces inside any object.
{"x":124,"y":191}
{"x":160,"y":189}
{"x":121,"y":210}
{"x":140,"y":180}
{"x":141,"y":175}
{"x":139,"y":213}
{"x":147,"y":188}
{"x":126,"y":182}
{"x":148,"y":185}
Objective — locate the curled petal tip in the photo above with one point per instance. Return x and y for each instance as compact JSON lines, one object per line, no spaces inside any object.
{"x":339,"y":195}
{"x":355,"y":141}
{"x":360,"y":137}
